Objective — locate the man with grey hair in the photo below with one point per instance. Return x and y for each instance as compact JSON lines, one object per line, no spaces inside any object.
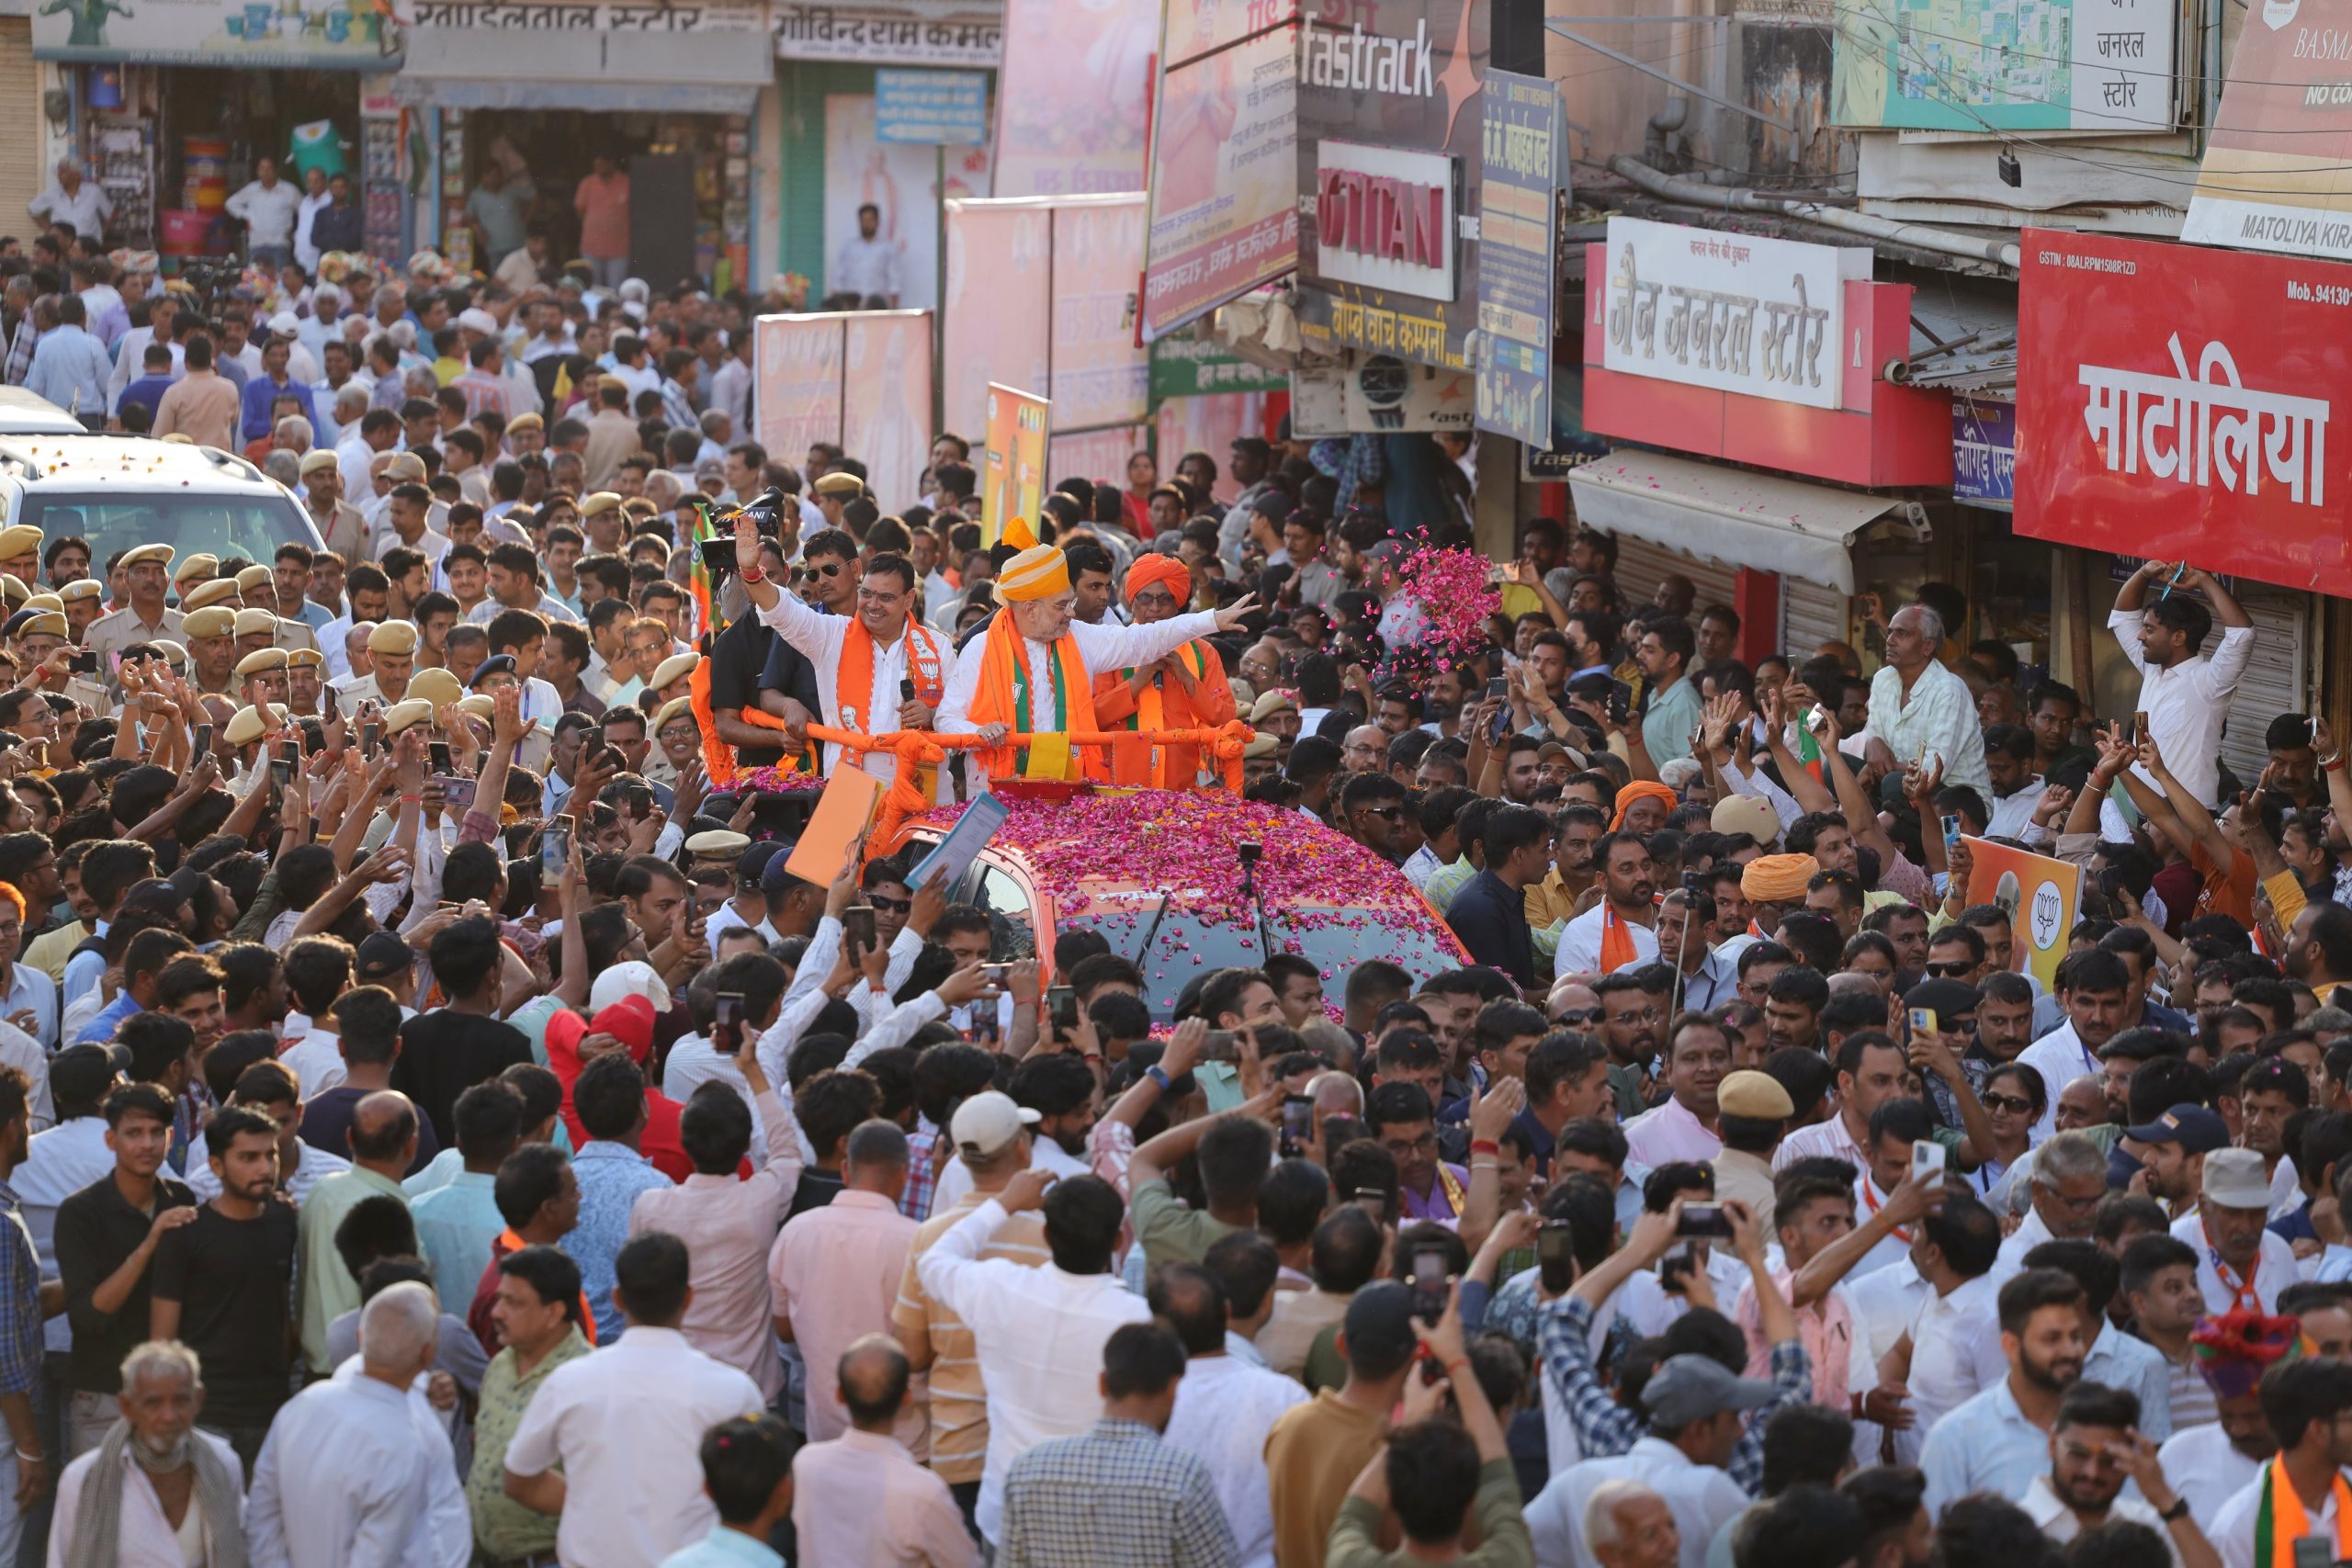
{"x":347,"y":1476}
{"x":1626,"y":1525}
{"x":2068,"y":1180}
{"x":1917,"y":706}
{"x":80,"y":204}
{"x":159,"y":1484}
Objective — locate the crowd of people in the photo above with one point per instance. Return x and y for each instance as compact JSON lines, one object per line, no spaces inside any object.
{"x":441,"y":1131}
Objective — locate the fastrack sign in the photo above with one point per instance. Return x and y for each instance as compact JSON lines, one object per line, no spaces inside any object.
{"x":2176,"y":399}
{"x":1386,"y":218}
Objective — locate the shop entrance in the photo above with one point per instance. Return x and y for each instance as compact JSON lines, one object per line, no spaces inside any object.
{"x":215,"y":124}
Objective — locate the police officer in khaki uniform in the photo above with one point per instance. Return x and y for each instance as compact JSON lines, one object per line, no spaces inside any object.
{"x":261,"y":677}
{"x":392,"y":646}
{"x":210,"y":631}
{"x":306,"y":683}
{"x":147,"y":572}
{"x":258,"y":589}
{"x":20,"y":552}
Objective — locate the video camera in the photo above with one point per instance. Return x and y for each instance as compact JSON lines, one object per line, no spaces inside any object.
{"x":767,"y":512}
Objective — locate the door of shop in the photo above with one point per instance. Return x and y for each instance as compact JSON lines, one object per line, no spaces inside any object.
{"x":661,"y":217}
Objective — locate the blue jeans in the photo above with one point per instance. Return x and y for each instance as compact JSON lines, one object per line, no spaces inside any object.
{"x":275,"y":255}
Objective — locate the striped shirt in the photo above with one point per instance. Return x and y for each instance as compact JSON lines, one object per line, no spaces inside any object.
{"x":959,"y":1410}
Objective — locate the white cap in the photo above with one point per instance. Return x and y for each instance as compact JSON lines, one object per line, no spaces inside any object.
{"x":474,"y":319}
{"x":634,"y":288}
{"x":985,"y":1123}
{"x":630,"y":979}
{"x":286,"y":323}
{"x":2234,"y":1179}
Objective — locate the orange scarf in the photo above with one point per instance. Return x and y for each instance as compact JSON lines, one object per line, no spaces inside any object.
{"x":1159,"y":707}
{"x":1617,"y":948}
{"x":1006,"y":691}
{"x":854,"y":687}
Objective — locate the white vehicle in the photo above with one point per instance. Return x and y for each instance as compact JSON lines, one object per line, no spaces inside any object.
{"x":118,"y":492}
{"x":30,"y":413}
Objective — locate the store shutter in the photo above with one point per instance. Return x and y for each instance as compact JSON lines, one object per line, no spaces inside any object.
{"x":22,"y":177}
{"x":2273,"y":682}
{"x":1810,"y":615}
{"x":1640,"y":565}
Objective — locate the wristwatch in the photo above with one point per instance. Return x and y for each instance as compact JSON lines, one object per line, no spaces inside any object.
{"x":2173,"y":1514}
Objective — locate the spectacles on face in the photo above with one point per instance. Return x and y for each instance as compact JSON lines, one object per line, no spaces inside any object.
{"x":835,"y":569}
{"x":1388,"y":813}
{"x":1577,"y":1016}
{"x":894,"y":906}
{"x":1958,"y":971}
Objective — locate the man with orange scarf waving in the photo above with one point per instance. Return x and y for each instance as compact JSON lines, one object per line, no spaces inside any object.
{"x":1033,"y":671}
{"x":1185,"y":690}
{"x":878,"y":669}
{"x":2303,"y":1492}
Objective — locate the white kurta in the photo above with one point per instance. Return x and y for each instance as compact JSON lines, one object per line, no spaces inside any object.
{"x":1101,"y":649}
{"x":344,"y":1478}
{"x":820,"y":638}
{"x":146,"y":1537}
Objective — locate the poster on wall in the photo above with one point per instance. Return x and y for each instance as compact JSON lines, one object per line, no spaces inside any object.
{"x":1225,"y":177}
{"x":1012,"y":472}
{"x":1098,"y":375}
{"x":901,"y":179}
{"x":1982,"y":65}
{"x":996,"y":320}
{"x":1073,"y":95}
{"x":1210,"y":424}
{"x":1522,"y":175}
{"x":325,"y":35}
{"x":859,"y":380}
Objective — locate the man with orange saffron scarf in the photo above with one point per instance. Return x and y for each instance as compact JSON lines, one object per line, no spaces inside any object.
{"x":877,"y":671}
{"x":1184,"y":691}
{"x":2304,"y":1491}
{"x":1033,"y":671}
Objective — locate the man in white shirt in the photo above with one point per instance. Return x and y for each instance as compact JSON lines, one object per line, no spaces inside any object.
{"x":2068,"y":1181}
{"x":1917,"y":706}
{"x":267,"y":208}
{"x":162,"y":1393}
{"x":627,"y":1424}
{"x":2094,"y":1447}
{"x":345,"y":1476}
{"x":314,"y":200}
{"x":1224,"y":1405}
{"x":867,"y":265}
{"x":2186,"y":697}
{"x":2211,"y":1462}
{"x":1700,"y":1401}
{"x":74,"y":201}
{"x":1999,"y":1440}
{"x":1628,"y":878}
{"x":1952,"y":1348}
{"x":2307,"y":1403}
{"x":1038,"y":1332}
{"x":2242,"y":1264}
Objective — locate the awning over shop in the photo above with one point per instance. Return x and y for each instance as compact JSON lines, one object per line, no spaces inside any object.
{"x":523,"y":68}
{"x":1728,"y":515}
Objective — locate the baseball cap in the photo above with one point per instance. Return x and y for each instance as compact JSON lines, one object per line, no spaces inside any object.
{"x":1692,"y":1387}
{"x":2197,"y":1130}
{"x":1746,"y":814}
{"x":1758,"y":1096}
{"x":986,"y":1122}
{"x":776,"y":877}
{"x":80,"y":1075}
{"x":634,"y":978}
{"x":380,"y":954}
{"x":2234,"y":1179}
{"x":1379,"y":1325}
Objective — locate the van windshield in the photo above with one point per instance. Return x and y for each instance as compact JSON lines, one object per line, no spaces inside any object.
{"x":246,"y":527}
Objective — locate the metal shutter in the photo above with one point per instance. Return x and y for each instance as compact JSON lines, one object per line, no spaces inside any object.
{"x":1810,"y":615}
{"x":1641,"y":564}
{"x":22,"y":177}
{"x":2273,"y":682}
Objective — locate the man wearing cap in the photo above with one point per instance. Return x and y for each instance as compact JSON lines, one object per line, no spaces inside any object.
{"x":211,"y":634}
{"x":1695,"y":1406}
{"x":306,"y":683}
{"x":2242,"y":1265}
{"x":2173,"y":1149}
{"x":391,"y":647}
{"x":337,"y":521}
{"x":84,"y":600}
{"x":1772,"y":885}
{"x":2208,"y":1461}
{"x":1033,"y":671}
{"x":261,"y":677}
{"x":147,"y":572}
{"x":1185,"y":690}
{"x":20,"y":551}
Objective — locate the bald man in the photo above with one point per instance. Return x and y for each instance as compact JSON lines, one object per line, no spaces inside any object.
{"x":862,"y":1497}
{"x":383,"y":1142}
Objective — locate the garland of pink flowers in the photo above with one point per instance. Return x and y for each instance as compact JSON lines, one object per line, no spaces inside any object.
{"x":1309,"y":877}
{"x":1455,"y":591}
{"x":774,"y":781}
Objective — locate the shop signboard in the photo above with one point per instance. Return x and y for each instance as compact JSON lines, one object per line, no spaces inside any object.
{"x":1737,"y":313}
{"x":2175,"y":400}
{"x":1224,"y":190}
{"x":938,"y":108}
{"x":1013,"y":471}
{"x":1990,"y":65}
{"x":1404,"y":77}
{"x":1096,"y":373}
{"x":968,"y":33}
{"x":1521,"y":175}
{"x":1983,"y":450}
{"x":2040,"y":894}
{"x":1074,"y":96}
{"x":1386,"y":217}
{"x":2272,"y":178}
{"x":233,"y":34}
{"x":1379,"y":393}
{"x":859,"y":380}
{"x":592,"y":15}
{"x":1191,"y":367}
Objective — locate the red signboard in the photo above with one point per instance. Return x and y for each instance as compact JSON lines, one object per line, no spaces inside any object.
{"x":1881,"y":434}
{"x":2173,"y":400}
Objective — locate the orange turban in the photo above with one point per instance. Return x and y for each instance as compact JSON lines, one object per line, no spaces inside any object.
{"x":1166,"y":571}
{"x":1642,"y":789}
{"x":1776,"y":879}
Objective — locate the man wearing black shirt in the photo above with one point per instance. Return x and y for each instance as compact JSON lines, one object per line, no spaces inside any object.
{"x":223,"y":1282}
{"x":747,"y":658}
{"x":107,"y":1235}
{"x":446,"y":1052}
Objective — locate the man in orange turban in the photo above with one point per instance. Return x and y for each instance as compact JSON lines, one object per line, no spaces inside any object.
{"x":1642,"y":807}
{"x":1186,"y":689}
{"x":1032,"y":672}
{"x":1773,"y":885}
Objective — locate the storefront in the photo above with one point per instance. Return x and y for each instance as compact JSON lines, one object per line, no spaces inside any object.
{"x":2192,"y":423}
{"x":1764,"y":359}
{"x":170,"y":108}
{"x":830,"y":151}
{"x":542,"y":90}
